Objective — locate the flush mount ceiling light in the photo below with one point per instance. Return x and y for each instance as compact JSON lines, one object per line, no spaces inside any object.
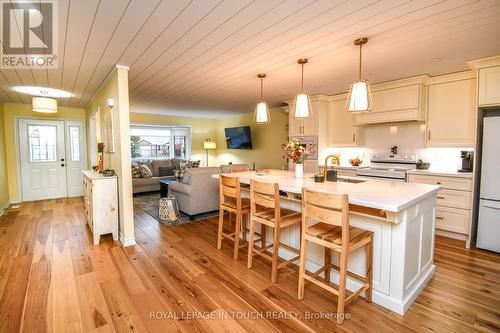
{"x":302,"y":105}
{"x":42,"y":91}
{"x":261,"y":110}
{"x":360,"y":97}
{"x":44,"y":105}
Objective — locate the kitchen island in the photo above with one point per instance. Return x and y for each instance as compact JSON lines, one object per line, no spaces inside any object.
{"x":401,"y":216}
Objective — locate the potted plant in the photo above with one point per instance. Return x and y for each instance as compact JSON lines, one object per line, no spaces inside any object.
{"x":297,"y":153}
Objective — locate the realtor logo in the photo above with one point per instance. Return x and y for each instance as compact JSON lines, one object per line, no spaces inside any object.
{"x":29,"y":34}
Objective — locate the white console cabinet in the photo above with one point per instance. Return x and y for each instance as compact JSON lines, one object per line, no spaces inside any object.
{"x":100,"y":204}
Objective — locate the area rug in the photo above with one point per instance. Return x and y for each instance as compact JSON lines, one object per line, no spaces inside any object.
{"x":150,"y":203}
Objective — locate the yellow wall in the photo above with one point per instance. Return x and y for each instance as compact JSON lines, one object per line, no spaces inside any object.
{"x":4,"y":185}
{"x":13,"y":110}
{"x":201,"y":128}
{"x":266,"y":141}
{"x":266,"y":152}
{"x":116,"y":87}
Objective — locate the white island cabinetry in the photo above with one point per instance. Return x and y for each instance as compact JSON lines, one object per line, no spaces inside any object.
{"x":401,"y":216}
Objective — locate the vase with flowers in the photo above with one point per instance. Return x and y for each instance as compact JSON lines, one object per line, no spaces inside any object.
{"x":297,"y":153}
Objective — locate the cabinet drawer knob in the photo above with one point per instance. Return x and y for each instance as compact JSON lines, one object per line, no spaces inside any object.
{"x":439,"y":183}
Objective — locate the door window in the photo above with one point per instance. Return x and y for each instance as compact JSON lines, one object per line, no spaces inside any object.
{"x":74,"y":138}
{"x":42,"y":143}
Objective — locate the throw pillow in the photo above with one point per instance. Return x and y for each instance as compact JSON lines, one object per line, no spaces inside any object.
{"x":176,"y":163}
{"x":136,"y":172}
{"x":179,"y":174}
{"x":165,"y":171}
{"x":147,"y":163}
{"x":187,"y":177}
{"x":145,"y":171}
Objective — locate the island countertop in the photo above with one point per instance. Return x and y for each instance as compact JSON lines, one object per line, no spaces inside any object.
{"x":389,"y":196}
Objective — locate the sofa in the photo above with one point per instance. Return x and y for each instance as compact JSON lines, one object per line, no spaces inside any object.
{"x":198,"y":192}
{"x":141,"y":185}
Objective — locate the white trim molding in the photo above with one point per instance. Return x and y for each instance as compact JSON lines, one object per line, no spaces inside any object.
{"x":127,"y":241}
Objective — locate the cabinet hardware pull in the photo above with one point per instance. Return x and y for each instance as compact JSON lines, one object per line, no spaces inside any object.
{"x":439,"y":183}
{"x":429,"y":136}
{"x":439,"y":218}
{"x":440,"y":197}
{"x":354,"y":137}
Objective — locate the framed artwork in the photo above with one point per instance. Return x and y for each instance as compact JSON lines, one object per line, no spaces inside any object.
{"x":109,"y":130}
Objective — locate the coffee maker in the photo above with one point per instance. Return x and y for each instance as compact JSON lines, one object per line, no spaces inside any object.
{"x":467,"y":161}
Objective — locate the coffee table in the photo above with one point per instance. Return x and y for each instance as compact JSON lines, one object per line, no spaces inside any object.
{"x":164,"y":187}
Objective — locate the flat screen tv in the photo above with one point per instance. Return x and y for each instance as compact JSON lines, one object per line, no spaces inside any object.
{"x":238,"y":137}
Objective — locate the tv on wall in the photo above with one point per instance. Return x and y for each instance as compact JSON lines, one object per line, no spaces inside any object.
{"x":238,"y":137}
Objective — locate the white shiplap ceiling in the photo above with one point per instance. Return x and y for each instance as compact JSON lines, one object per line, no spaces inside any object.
{"x":201,"y":57}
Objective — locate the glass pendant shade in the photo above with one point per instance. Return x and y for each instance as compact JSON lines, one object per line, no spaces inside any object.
{"x":302,"y":106}
{"x":261,"y":113}
{"x":360,"y":97}
{"x":44,"y":105}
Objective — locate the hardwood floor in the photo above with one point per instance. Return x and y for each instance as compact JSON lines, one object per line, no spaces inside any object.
{"x":53,"y":279}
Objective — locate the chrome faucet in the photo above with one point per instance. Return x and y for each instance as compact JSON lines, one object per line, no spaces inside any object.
{"x":336,"y":159}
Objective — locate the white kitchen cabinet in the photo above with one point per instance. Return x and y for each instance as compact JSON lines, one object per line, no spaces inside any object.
{"x":100,"y":204}
{"x":341,"y":129}
{"x":451,"y":114}
{"x":454,"y":202}
{"x":303,"y":126}
{"x":489,"y":86}
{"x":403,"y":100}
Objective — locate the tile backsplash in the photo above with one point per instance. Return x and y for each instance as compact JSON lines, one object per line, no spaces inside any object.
{"x":410,"y":139}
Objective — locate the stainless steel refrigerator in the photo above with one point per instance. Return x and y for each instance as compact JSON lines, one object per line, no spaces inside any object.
{"x":488,"y":229}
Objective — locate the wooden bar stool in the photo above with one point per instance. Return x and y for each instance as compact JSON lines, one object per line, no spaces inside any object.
{"x":232,"y":202}
{"x":266,"y":209}
{"x":333,"y":233}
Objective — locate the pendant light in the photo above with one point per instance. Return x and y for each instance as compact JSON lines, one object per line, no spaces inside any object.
{"x":302,"y":105}
{"x":44,"y":105}
{"x":360,"y":97}
{"x":261,"y":110}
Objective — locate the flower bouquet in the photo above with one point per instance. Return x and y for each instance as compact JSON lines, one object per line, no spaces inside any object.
{"x":297,"y":153}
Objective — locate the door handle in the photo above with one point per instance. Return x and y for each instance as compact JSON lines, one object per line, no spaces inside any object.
{"x":62,"y":164}
{"x":62,"y":159}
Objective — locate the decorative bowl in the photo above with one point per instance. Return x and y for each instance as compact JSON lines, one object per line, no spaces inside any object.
{"x":423,"y":165}
{"x":108,"y":173}
{"x":355,"y":161}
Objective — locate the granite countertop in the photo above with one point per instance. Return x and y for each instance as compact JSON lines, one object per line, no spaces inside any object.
{"x":385,"y":195}
{"x":441,"y":172}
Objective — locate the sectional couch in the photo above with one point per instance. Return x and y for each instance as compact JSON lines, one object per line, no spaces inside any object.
{"x":141,"y":185}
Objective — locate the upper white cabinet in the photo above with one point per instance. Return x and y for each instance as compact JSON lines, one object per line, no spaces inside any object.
{"x":341,"y":131}
{"x":451,"y":117}
{"x":489,"y":86}
{"x":402,"y":100}
{"x":303,"y":126}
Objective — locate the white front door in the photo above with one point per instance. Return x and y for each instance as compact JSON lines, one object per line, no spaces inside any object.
{"x":42,"y":152}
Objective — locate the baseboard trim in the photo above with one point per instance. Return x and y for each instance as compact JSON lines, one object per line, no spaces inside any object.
{"x":127,"y":241}
{"x":4,"y":207}
{"x":451,"y":234}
